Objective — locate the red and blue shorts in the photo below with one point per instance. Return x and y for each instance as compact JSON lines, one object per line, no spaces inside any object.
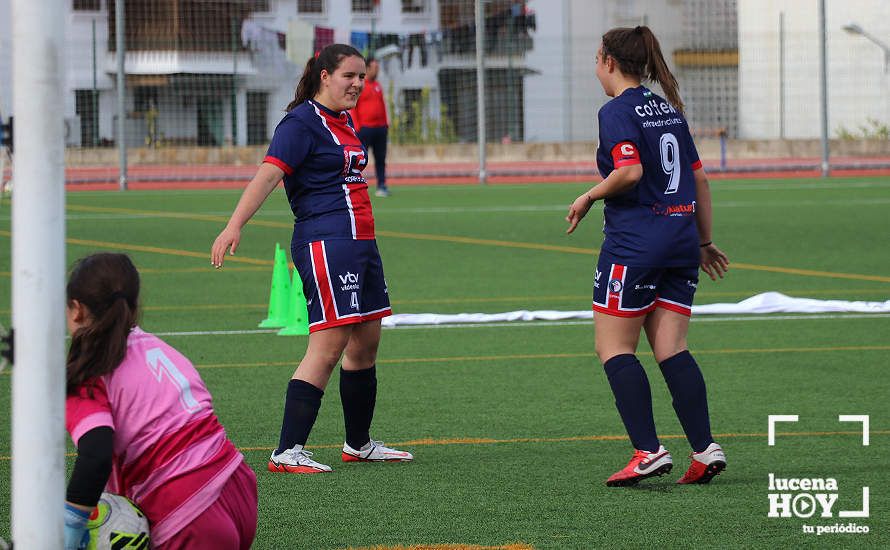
{"x":627,"y":291}
{"x":342,"y":281}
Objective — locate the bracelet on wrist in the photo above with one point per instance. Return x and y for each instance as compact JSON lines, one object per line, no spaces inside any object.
{"x":709,"y":243}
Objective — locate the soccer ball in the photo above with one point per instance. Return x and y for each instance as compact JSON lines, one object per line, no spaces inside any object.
{"x":117,"y":523}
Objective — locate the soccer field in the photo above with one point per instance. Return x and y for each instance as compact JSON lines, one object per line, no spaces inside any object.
{"x":513,"y":425}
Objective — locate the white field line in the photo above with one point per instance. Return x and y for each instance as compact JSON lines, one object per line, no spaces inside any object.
{"x":524,"y":324}
{"x":519,"y":209}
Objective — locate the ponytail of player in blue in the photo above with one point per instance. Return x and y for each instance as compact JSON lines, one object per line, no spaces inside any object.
{"x":329,"y":60}
{"x":638,"y":54}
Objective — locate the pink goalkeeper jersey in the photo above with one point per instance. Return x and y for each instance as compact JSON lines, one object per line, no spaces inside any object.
{"x":171,"y":454}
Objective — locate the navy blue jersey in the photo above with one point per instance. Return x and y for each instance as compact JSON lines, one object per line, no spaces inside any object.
{"x":653,"y":223}
{"x":322,"y":160}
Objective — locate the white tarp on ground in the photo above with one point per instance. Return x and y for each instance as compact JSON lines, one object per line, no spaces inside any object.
{"x":768,"y":302}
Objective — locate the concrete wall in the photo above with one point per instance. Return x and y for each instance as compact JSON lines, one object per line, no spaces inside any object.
{"x":709,"y":148}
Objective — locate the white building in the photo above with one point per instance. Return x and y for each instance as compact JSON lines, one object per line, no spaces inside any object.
{"x":182,"y":55}
{"x":697,"y":37}
{"x":539,"y":56}
{"x":779,"y":92}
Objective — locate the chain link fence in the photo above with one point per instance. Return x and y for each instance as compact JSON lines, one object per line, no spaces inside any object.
{"x":207,"y":81}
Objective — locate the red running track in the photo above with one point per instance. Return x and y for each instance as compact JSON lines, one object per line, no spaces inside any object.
{"x":231,"y":176}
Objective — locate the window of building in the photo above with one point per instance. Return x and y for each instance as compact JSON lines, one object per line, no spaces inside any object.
{"x":310,"y":6}
{"x":257,"y":124}
{"x":86,"y":106}
{"x":258,"y":5}
{"x":362,"y":6}
{"x":144,"y":98}
{"x":87,"y":5}
{"x":414,"y":6}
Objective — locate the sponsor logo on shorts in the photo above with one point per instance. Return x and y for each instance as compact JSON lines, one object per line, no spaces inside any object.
{"x":615,"y":285}
{"x":349,"y":281}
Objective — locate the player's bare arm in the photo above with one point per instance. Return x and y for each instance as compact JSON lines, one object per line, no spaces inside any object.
{"x":256,"y":192}
{"x":619,"y":181}
{"x":713,"y":261}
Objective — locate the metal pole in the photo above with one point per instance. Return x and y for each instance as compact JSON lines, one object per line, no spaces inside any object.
{"x":781,"y":75}
{"x":567,"y":85}
{"x":511,"y":46}
{"x":120,"y":30}
{"x":38,"y":275}
{"x":823,"y":87}
{"x":480,"y":87}
{"x":94,"y":123}
{"x":234,"y":72}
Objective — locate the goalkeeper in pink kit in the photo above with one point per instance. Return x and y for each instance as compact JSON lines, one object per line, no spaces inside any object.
{"x":143,"y":423}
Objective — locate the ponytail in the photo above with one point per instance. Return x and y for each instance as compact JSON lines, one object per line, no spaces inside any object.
{"x":638,"y":54}
{"x":329,"y":60}
{"x":108,"y":285}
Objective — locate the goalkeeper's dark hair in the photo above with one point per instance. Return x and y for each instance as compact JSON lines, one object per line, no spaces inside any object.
{"x":108,"y":285}
{"x":329,"y":60}
{"x":638,"y":53}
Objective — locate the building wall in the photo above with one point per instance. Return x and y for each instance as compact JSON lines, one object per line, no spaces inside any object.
{"x":388,"y":19}
{"x":561,"y":95}
{"x":563,"y":98}
{"x":858,"y":86}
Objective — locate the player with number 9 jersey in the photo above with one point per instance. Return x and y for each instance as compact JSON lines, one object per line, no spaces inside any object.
{"x":651,"y":224}
{"x":657,"y":225}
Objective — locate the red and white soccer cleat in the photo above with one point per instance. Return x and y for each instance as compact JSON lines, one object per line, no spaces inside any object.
{"x":374,"y":451}
{"x":296,"y":461}
{"x":705,"y":465}
{"x":643,"y":464}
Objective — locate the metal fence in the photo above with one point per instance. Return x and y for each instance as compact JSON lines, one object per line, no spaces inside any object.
{"x":206,"y":81}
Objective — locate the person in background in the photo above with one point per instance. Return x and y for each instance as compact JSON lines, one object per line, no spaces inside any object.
{"x":657,"y":234}
{"x":143,"y":423}
{"x":372,"y":123}
{"x":317,"y":153}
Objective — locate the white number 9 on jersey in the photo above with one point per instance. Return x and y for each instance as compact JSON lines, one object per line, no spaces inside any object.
{"x":670,"y":161}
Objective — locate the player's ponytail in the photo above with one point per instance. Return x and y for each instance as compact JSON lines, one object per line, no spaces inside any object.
{"x":108,"y":285}
{"x":638,"y":54}
{"x":329,"y":60}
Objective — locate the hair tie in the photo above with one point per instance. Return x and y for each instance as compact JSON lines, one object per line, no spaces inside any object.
{"x":317,"y":53}
{"x":638,"y":29}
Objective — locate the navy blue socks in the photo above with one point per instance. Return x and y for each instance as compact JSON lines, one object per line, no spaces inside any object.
{"x":300,"y":411}
{"x":687,"y":387}
{"x":633,"y":399}
{"x":358,"y":393}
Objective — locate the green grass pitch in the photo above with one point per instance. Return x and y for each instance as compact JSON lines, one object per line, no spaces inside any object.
{"x":513,"y":427}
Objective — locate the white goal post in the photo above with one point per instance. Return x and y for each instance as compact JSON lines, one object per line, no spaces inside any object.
{"x":38,"y":275}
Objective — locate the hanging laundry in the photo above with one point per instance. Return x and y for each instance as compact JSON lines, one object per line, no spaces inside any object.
{"x":387,"y":54}
{"x":361,"y":41}
{"x":300,"y":42}
{"x":266,"y":47}
{"x":434,"y":41}
{"x":417,"y":41}
{"x":324,"y":37}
